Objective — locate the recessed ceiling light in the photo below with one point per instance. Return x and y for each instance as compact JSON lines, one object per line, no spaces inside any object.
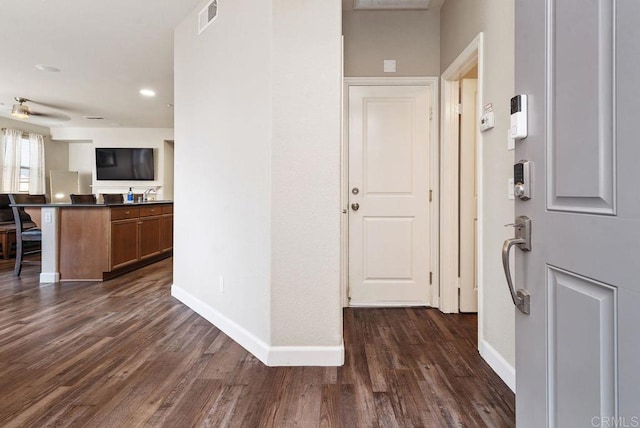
{"x":49,"y":68}
{"x":148,"y":92}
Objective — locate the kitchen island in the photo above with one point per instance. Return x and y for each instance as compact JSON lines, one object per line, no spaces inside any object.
{"x":95,"y":242}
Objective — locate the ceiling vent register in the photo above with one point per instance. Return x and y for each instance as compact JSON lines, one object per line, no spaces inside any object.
{"x":207,"y":15}
{"x":390,"y":4}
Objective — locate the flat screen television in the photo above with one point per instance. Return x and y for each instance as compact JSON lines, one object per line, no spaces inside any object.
{"x":124,"y":164}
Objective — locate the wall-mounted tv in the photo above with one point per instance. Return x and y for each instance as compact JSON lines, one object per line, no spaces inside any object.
{"x":124,"y":164}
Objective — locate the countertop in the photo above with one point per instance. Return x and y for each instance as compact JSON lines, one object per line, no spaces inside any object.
{"x":70,"y":205}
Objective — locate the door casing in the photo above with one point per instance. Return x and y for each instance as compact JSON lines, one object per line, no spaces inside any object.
{"x":434,"y":165}
{"x":468,"y":58}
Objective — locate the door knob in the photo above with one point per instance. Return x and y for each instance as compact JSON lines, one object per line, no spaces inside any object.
{"x":355,"y":206}
{"x":522,"y":240}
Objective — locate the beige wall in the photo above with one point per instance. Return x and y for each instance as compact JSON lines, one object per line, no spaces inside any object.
{"x":461,"y":21}
{"x":412,"y":38}
{"x":56,"y":153}
{"x":257,"y":151}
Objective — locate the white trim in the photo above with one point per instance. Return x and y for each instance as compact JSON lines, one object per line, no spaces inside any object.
{"x":428,"y":81}
{"x":306,"y":356}
{"x":499,"y":365}
{"x":49,"y":277}
{"x":389,"y":81}
{"x":388,"y":304}
{"x":269,"y":355}
{"x":241,"y":335}
{"x":472,"y":54}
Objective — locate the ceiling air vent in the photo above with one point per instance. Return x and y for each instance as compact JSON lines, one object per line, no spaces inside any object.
{"x":390,"y":4}
{"x":207,"y":15}
{"x":93,"y":117}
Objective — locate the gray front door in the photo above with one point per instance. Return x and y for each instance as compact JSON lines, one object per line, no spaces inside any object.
{"x":578,"y":351}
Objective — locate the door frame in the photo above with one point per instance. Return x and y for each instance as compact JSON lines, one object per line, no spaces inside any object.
{"x":427,"y":81}
{"x":449,"y":251}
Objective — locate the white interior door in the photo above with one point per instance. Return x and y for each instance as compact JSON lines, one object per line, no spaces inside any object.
{"x":468,"y":197}
{"x":577,"y":352}
{"x":389,"y":242}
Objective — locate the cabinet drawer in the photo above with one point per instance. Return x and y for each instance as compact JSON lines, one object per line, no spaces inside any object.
{"x":124,"y":213}
{"x":167,"y":209}
{"x":150,"y":210}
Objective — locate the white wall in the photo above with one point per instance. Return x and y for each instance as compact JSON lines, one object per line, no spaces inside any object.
{"x":82,"y":144}
{"x":461,"y":21}
{"x":305,"y":174}
{"x":257,"y":126}
{"x":411,"y":37}
{"x":168,"y":170}
{"x":56,"y":153}
{"x":222,"y":163}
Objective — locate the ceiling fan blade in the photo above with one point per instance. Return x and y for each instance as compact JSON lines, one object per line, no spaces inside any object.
{"x":54,"y":116}
{"x":45,"y":104}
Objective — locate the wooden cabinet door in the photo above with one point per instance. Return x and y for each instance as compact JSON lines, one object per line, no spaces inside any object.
{"x":124,"y":242}
{"x":166,"y":232}
{"x":149,"y":236}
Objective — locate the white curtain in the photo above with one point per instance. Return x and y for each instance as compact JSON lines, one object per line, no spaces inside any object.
{"x":36,"y":164}
{"x":12,"y":140}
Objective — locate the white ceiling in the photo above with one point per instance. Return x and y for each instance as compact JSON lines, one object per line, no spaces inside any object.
{"x":107,"y":51}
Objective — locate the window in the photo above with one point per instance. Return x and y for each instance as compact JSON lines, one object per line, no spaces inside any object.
{"x":24,"y":164}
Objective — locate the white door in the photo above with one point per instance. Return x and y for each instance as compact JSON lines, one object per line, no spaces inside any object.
{"x":578,"y":351}
{"x":468,"y":197}
{"x":389,"y":242}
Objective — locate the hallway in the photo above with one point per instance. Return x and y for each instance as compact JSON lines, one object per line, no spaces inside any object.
{"x":125,"y":353}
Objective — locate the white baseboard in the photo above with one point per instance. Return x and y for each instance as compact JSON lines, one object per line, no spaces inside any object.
{"x":49,"y":277}
{"x":269,"y":355}
{"x":244,"y":337}
{"x":306,"y":356}
{"x":499,"y":365}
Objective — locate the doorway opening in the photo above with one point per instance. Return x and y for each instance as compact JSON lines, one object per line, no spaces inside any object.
{"x":461,"y":184}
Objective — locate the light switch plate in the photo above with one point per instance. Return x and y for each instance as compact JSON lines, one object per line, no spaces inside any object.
{"x":510,"y":194}
{"x":511,"y":142}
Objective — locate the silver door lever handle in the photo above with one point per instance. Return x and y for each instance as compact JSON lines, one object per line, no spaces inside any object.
{"x":521,"y":297}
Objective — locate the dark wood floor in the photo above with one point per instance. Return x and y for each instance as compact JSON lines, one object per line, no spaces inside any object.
{"x":124,"y":354}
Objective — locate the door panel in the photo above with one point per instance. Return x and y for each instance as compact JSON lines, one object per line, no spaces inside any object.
{"x":468,"y":197}
{"x":389,"y":166}
{"x":580,"y":61}
{"x":577,"y":352}
{"x":582,"y":347}
{"x":388,"y":146}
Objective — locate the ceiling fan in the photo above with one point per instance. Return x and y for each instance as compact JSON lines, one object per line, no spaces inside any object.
{"x":22,"y":111}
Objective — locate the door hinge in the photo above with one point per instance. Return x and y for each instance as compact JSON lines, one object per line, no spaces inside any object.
{"x":459,"y":283}
{"x":430,"y":113}
{"x":430,"y":195}
{"x":458,"y":109}
{"x":430,"y":278}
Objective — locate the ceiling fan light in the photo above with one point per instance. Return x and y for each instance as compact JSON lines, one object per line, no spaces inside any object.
{"x":20,"y":111}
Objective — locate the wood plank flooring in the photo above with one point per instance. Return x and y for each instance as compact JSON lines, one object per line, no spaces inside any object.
{"x":124,"y":353}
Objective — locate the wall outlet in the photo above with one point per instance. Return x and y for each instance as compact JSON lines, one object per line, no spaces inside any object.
{"x":47,"y":217}
{"x":221,"y":283}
